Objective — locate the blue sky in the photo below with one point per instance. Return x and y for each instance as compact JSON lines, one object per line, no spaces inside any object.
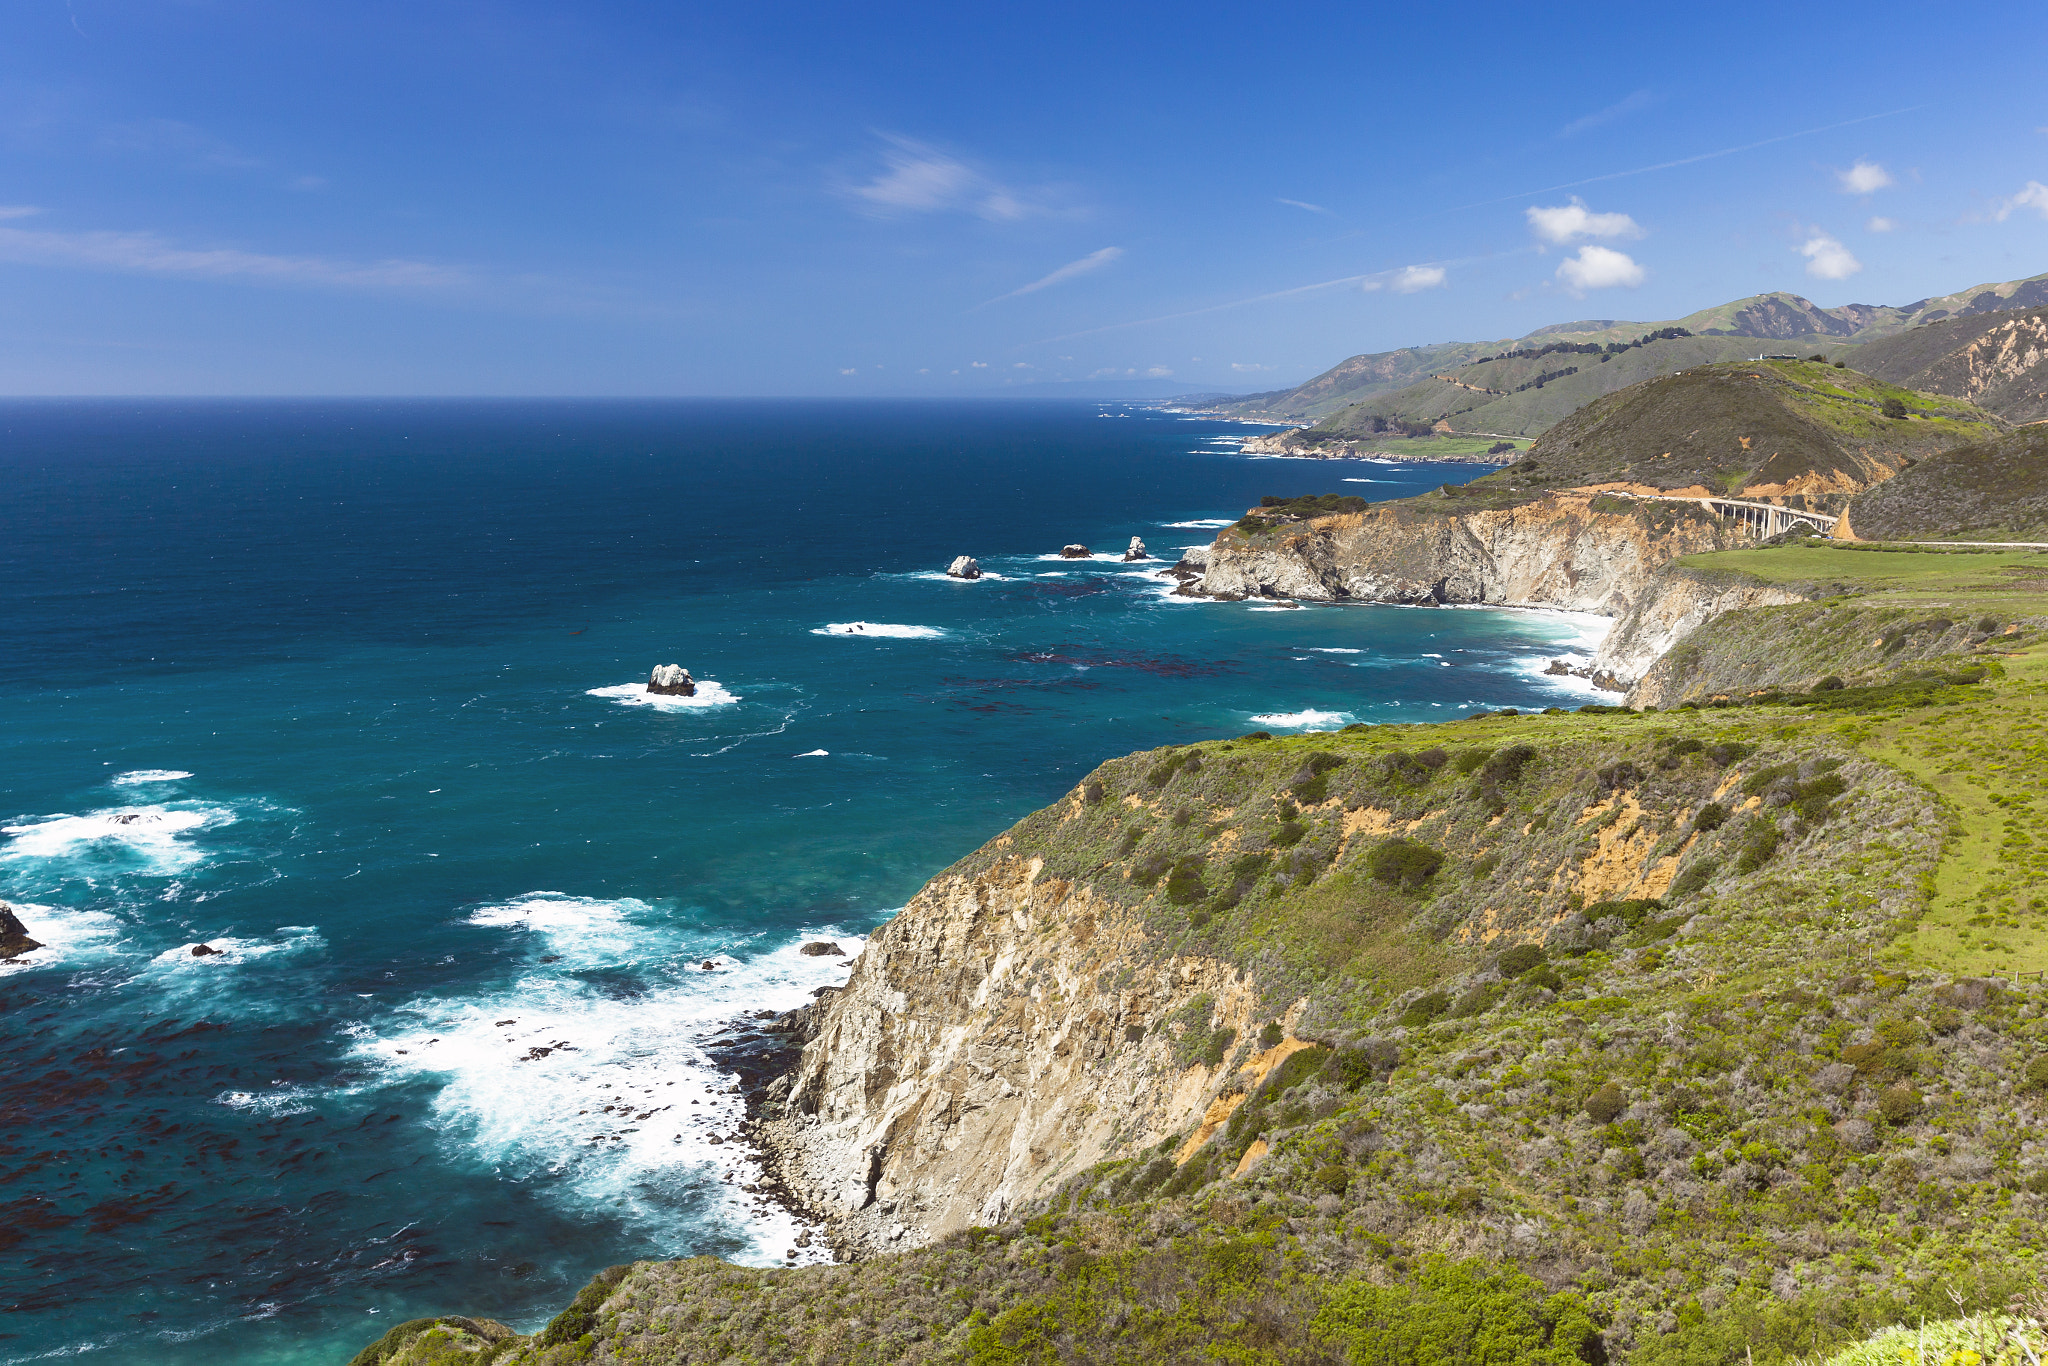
{"x":220,"y":197}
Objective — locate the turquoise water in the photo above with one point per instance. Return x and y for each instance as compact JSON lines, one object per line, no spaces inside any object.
{"x":349,"y":692}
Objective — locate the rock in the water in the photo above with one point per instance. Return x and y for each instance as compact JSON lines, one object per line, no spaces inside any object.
{"x":1074,"y":552}
{"x":204,"y":950}
{"x":1558,"y":666}
{"x":673,"y":680}
{"x":14,"y":940}
{"x":1136,"y":552}
{"x":963,"y":567}
{"x":823,"y":948}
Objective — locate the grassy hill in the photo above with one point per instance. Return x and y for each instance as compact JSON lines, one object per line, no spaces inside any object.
{"x":1771,"y":322}
{"x":1780,"y":429}
{"x":1986,"y":491}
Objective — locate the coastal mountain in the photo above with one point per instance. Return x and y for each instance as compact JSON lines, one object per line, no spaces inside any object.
{"x":1519,"y":388}
{"x":1988,"y":491}
{"x":1998,"y":361}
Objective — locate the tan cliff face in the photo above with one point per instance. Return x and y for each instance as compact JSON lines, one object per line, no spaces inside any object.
{"x":982,"y":1052}
{"x":1557,"y":551}
{"x":1675,"y":603}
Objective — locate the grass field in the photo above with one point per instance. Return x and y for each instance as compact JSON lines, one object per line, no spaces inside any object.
{"x":1985,"y":754}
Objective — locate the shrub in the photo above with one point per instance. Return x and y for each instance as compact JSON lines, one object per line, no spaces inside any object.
{"x":1148,"y":873}
{"x":2037,"y":1071}
{"x":1694,"y":877}
{"x":1449,"y":1312}
{"x":1477,"y":1000}
{"x":1629,"y":913}
{"x":1466,"y":761}
{"x":1898,"y":1104}
{"x":1894,"y":408}
{"x":1333,"y":1178}
{"x":1134,"y":1033}
{"x":1520,"y":959}
{"x":1404,"y":863}
{"x":1832,"y":683}
{"x":1759,"y":842}
{"x":1219,"y":1046}
{"x":1091,"y":793}
{"x":1311,"y":783}
{"x":581,"y":1315}
{"x":1545,"y":976}
{"x":1288,"y":834}
{"x":1184,"y":885}
{"x":1726,"y":754}
{"x":1986,"y":625}
{"x":1605,"y":1105}
{"x":1425,"y":1008}
{"x":1712,"y":816}
{"x":1257,"y":735}
{"x":1272,"y":1034}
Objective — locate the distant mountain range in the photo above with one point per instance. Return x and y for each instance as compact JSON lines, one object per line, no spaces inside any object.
{"x":1988,"y":344}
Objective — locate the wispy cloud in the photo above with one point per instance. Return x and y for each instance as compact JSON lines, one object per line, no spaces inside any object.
{"x":1827,"y":258}
{"x":1567,"y":223}
{"x":1882,"y":225}
{"x":1094,"y":260}
{"x":922,"y":179}
{"x":1619,"y":109}
{"x":2033,"y":195}
{"x":173,"y":140}
{"x":1599,"y":268}
{"x":18,"y":211}
{"x":1865,"y":177}
{"x":1248,"y":368}
{"x":1302,"y":204}
{"x":1409,"y":279}
{"x":146,"y":253}
{"x":1416,"y":276}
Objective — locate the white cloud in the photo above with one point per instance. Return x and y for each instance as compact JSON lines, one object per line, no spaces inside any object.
{"x":1159,"y":372}
{"x":922,"y":179}
{"x":849,"y":372}
{"x":146,"y":253}
{"x":1865,"y":177}
{"x":1638,"y":100}
{"x":1247,"y":368}
{"x":1022,"y":365}
{"x":1303,"y":204}
{"x":2034,"y":195}
{"x":18,"y":211}
{"x":1828,"y":259}
{"x":978,"y":364}
{"x":1409,"y":279}
{"x":1882,"y":225}
{"x":1094,"y":260}
{"x":1599,"y":268}
{"x":1567,"y":223}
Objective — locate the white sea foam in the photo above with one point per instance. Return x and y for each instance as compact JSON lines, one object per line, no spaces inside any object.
{"x":1303,"y":720}
{"x":149,"y":833}
{"x":1203,"y":523}
{"x":940,"y":576}
{"x":231,"y":951}
{"x":708,"y":694}
{"x":149,"y":775}
{"x":813,"y":754}
{"x":1335,"y":650}
{"x":1278,"y":607}
{"x":591,"y":1082}
{"x":276,"y":1103}
{"x":1368,"y":481}
{"x":875,"y":628}
{"x":69,"y":938}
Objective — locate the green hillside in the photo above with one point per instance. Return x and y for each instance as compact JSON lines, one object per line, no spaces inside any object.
{"x":1986,"y":491}
{"x":1781,"y":428}
{"x":1997,"y":360}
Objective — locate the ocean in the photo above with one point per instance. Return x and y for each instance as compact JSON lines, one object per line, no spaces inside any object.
{"x":351,"y":692}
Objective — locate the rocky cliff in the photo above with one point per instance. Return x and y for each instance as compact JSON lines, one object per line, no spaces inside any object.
{"x":1005,"y":1032}
{"x":1677,"y":601}
{"x":1574,"y":551}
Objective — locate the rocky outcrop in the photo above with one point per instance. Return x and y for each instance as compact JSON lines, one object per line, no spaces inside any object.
{"x":1002,"y":1033}
{"x":1676,"y":601}
{"x":963,"y":567}
{"x":14,"y":940}
{"x":1136,"y":551}
{"x":1074,"y":552}
{"x":672,"y":680}
{"x":1572,"y":551}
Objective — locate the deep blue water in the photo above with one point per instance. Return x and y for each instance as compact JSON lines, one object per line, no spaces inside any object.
{"x":321,"y":685}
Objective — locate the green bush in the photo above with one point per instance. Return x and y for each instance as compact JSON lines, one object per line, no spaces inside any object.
{"x":1893,"y":408}
{"x":1520,"y":959}
{"x":1630,"y":913}
{"x":1605,"y":1104}
{"x":1712,"y":816}
{"x":1184,"y":885}
{"x":1759,"y":842}
{"x":1425,"y":1008}
{"x":2037,"y":1072}
{"x":1334,"y":1179}
{"x":1468,"y":761}
{"x":1832,"y":683}
{"x":1477,"y":1000}
{"x":1898,"y":1104}
{"x":1694,"y":876}
{"x":1272,"y":1034}
{"x":581,"y":1315}
{"x":1458,"y":1314}
{"x":1404,"y":863}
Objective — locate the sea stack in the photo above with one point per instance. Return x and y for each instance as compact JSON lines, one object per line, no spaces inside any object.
{"x":14,"y":940}
{"x":963,"y":567}
{"x":1073,"y":552}
{"x":672,"y":680}
{"x":1136,"y":552}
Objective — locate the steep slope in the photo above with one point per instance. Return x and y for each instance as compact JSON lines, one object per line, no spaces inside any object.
{"x":1998,"y":361}
{"x":1599,"y":1030}
{"x":1987,"y":491}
